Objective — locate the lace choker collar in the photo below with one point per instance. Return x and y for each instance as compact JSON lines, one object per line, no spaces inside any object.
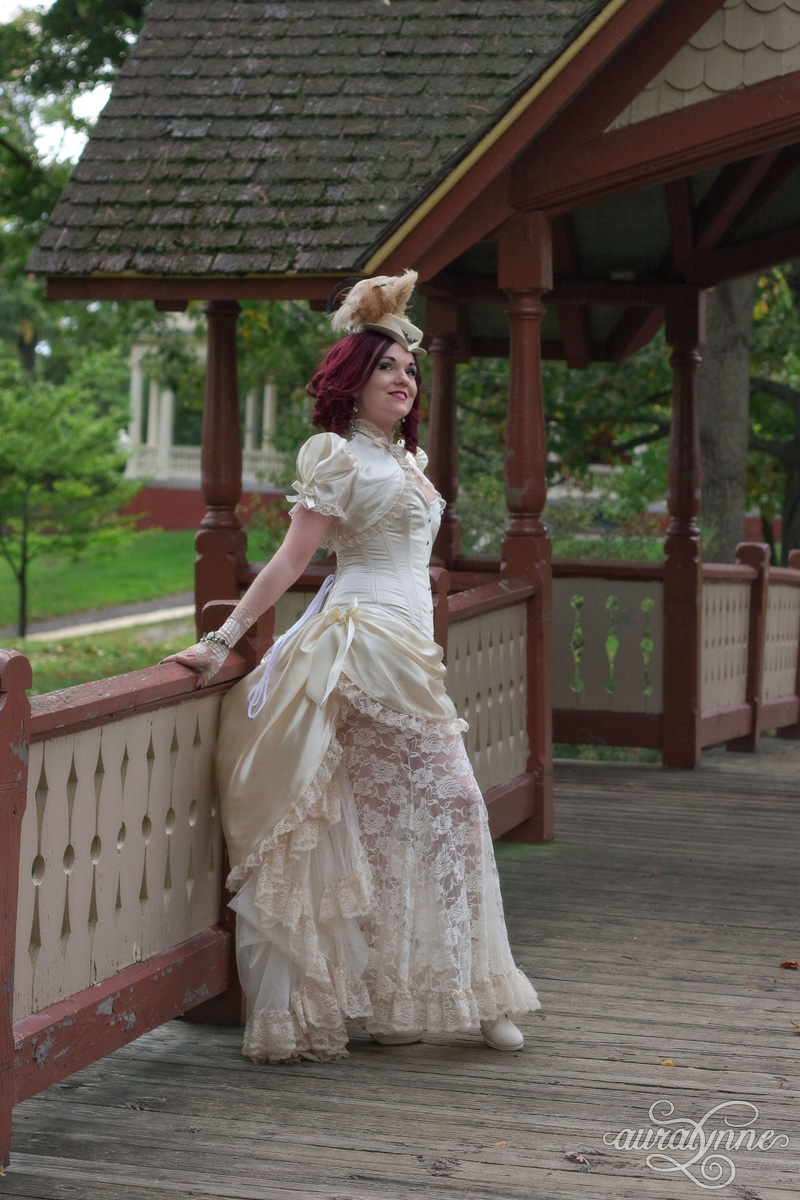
{"x":397,"y":449}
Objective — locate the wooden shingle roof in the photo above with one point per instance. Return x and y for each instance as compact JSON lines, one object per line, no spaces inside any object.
{"x":253,"y":138}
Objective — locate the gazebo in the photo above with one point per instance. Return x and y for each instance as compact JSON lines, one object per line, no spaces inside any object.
{"x":565,"y":176}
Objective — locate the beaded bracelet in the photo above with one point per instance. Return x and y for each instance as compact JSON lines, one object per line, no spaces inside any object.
{"x":215,"y":637}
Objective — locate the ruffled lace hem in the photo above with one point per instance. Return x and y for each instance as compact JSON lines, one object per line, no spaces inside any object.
{"x":372,"y":707}
{"x":313,"y":1025}
{"x":454,"y":1011}
{"x":324,"y":510}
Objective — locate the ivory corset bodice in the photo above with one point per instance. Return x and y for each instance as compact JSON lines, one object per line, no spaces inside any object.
{"x":386,"y":525}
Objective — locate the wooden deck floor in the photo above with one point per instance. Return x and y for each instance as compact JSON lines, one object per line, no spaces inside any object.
{"x":654,"y":928}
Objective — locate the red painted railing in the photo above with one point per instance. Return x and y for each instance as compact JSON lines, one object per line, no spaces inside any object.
{"x":748,"y":616}
{"x":196,"y":976}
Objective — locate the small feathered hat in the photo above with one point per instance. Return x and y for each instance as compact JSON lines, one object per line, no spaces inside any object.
{"x":378,"y":304}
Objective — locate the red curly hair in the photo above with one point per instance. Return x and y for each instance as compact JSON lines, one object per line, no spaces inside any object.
{"x":342,"y":374}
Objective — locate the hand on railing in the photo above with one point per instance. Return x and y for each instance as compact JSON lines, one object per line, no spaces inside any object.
{"x":207,"y":656}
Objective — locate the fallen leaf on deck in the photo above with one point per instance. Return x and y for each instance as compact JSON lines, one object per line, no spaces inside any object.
{"x":667,"y":1062}
{"x":573,"y":1156}
{"x":791,"y":964}
{"x":796,"y":1025}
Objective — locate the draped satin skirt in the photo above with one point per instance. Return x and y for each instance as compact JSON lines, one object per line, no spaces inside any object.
{"x":366,"y":883}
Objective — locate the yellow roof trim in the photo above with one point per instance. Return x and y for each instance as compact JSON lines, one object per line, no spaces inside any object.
{"x":489,"y":139}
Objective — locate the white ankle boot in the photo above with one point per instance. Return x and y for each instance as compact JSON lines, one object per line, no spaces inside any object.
{"x":398,"y":1039}
{"x":502,"y":1034}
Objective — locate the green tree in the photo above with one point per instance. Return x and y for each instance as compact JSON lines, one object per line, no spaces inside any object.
{"x":47,"y":61}
{"x":61,"y":484}
{"x":774,"y":476}
{"x":607,"y":415}
{"x":77,"y":43}
{"x":618,"y":416}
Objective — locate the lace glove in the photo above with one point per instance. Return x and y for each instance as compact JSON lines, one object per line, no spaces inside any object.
{"x":208,"y":655}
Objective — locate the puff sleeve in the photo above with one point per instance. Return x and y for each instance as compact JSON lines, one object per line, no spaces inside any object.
{"x":326,"y":474}
{"x":421,"y":459}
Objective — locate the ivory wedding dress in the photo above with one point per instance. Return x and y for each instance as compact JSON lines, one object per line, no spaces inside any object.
{"x":358,"y":838}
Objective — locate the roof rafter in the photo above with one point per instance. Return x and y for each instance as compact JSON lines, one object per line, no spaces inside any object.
{"x":727,"y":196}
{"x":580,"y":126}
{"x":735,"y":125}
{"x":786,"y":163}
{"x":681,"y":221}
{"x":635,"y":328}
{"x":573,"y":320}
{"x":731,"y":262}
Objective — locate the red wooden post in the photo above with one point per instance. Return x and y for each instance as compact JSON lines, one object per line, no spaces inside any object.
{"x":221,"y":542}
{"x":525,"y":272}
{"x":757,"y":555}
{"x":441,"y":320}
{"x":793,"y":731}
{"x":15,"y":716}
{"x":683,"y":567}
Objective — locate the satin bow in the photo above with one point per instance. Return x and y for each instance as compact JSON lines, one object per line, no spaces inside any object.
{"x":330,"y":652}
{"x":257,"y":696}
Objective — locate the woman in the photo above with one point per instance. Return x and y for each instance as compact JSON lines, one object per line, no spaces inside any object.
{"x":359,"y":842}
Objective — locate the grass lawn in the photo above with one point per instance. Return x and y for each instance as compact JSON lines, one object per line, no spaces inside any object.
{"x":62,"y":664}
{"x":155,"y":563}
{"x":610,"y":549}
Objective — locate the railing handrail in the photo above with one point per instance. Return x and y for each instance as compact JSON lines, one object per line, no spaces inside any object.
{"x":90,"y":704}
{"x":565,"y":568}
{"x":489,"y":597}
{"x":728,"y":573}
{"x":785,"y":575}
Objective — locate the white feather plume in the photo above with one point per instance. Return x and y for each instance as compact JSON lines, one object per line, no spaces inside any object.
{"x":371,"y":299}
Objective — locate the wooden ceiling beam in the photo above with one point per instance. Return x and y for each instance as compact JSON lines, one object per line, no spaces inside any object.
{"x":727,"y":196}
{"x":565,"y":246}
{"x":786,"y":163}
{"x":593,"y":109}
{"x":635,"y":328}
{"x":681,"y":221}
{"x":574,"y":324}
{"x":724,"y":263}
{"x":573,"y":320}
{"x":736,"y":125}
{"x":471,"y":287}
{"x":567,"y":291}
{"x":620,"y":295}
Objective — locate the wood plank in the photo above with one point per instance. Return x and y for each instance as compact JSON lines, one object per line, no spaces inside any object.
{"x":66,"y":1036}
{"x":653,"y":927}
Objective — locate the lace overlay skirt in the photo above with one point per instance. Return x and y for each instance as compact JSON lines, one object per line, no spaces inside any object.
{"x":377,"y":897}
